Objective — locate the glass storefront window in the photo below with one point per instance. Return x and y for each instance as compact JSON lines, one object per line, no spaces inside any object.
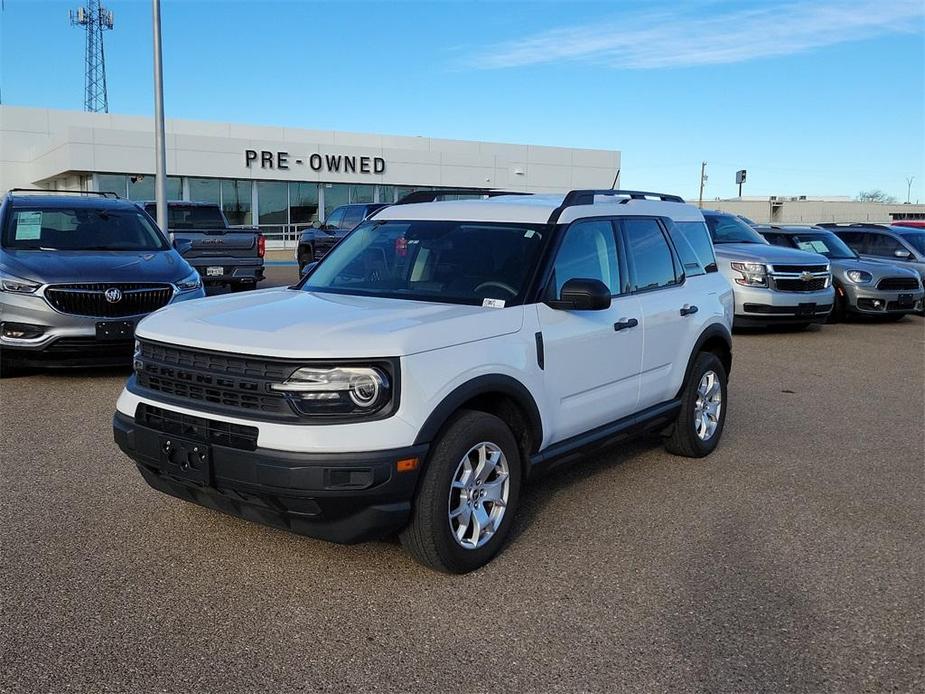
{"x":303,"y":203}
{"x":205,"y":190}
{"x":142,"y":188}
{"x":387,"y":194}
{"x":273,"y":202}
{"x":111,"y":183}
{"x":335,"y":195}
{"x":362,"y":193}
{"x":236,"y":201}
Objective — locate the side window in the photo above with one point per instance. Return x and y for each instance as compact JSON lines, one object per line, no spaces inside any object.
{"x":648,"y":254}
{"x":588,"y":251}
{"x":692,"y":242}
{"x":352,"y":216}
{"x":882,"y":245}
{"x":778,"y":239}
{"x":334,"y":221}
{"x":854,"y":240}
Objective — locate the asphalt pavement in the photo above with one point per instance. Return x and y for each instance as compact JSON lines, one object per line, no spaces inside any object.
{"x":790,"y":560}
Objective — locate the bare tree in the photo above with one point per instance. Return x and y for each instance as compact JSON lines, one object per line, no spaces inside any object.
{"x":875,"y":196}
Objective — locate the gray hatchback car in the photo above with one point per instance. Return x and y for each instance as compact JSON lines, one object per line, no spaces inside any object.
{"x":869,"y":287}
{"x":77,"y":272}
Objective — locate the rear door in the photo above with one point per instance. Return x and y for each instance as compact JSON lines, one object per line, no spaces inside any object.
{"x":591,"y":362}
{"x":657,"y":280}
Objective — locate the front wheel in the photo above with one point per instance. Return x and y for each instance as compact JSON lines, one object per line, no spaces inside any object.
{"x":468,"y":495}
{"x":700,"y":422}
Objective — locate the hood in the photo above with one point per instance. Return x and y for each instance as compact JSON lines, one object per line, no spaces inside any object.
{"x":762,"y":253}
{"x":284,"y":322}
{"x":877,"y":268}
{"x":65,"y":267}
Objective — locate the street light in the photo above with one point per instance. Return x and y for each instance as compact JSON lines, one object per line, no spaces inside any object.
{"x":160,"y":141}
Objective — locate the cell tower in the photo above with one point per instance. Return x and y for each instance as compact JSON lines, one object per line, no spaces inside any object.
{"x":95,"y":19}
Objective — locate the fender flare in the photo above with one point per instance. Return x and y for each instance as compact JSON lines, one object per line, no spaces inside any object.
{"x":480,"y":385}
{"x":711,"y":331}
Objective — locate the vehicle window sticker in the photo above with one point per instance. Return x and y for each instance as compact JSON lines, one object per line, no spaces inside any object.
{"x":493,"y":303}
{"x":28,"y":226}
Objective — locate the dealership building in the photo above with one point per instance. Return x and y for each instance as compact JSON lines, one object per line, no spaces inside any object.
{"x":274,"y":177}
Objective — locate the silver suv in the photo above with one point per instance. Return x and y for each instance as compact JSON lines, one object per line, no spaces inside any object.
{"x":772,"y":285}
{"x":77,"y":272}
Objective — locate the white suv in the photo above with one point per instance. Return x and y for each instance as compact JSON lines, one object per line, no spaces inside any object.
{"x":438,"y":357}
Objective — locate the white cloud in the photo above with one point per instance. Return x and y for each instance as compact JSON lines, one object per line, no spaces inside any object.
{"x":711,"y":36}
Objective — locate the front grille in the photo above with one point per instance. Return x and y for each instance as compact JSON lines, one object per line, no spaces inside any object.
{"x":800,"y":268}
{"x":208,"y":431}
{"x":135,"y":298}
{"x":798,"y":285}
{"x":79,"y":345}
{"x":227,"y":382}
{"x":765,"y":308}
{"x":898,"y":283}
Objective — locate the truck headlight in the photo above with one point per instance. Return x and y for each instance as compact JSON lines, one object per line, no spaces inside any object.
{"x":859,"y":276}
{"x":17,"y":285}
{"x":337,"y":390}
{"x":753,"y":274}
{"x":190,"y":282}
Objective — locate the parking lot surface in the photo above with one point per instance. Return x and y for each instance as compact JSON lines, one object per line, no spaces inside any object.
{"x":790,"y":559}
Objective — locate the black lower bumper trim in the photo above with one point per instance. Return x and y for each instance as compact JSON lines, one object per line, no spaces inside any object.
{"x":340,"y":497}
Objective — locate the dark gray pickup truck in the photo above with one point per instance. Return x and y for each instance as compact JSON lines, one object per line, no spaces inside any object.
{"x":222,"y":255}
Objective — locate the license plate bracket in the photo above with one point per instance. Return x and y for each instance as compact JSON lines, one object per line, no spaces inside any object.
{"x":806,"y":310}
{"x":187,"y":459}
{"x":115,"y":330}
{"x":905,"y":301}
{"x":215,"y":271}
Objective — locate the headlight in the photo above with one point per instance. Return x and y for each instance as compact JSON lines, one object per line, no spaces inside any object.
{"x":753,"y":274}
{"x":337,"y":390}
{"x":859,"y":276}
{"x":192,"y":281}
{"x":17,"y":285}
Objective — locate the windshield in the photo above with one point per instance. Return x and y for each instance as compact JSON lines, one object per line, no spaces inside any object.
{"x":191,"y":216}
{"x":915,"y":239}
{"x":440,"y":261}
{"x":82,"y":229}
{"x":724,"y":228}
{"x":824,"y":243}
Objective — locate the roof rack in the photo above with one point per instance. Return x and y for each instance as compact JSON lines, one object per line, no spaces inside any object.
{"x":106,"y":194}
{"x":434,"y":195}
{"x":586,"y":196}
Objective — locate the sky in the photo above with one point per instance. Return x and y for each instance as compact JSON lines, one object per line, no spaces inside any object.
{"x":811,"y":98}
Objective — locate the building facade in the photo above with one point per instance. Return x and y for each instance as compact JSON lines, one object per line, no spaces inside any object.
{"x":803,"y":209}
{"x":274,"y":177}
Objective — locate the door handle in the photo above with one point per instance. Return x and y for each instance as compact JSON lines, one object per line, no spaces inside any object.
{"x":625,"y":323}
{"x":688,"y":310}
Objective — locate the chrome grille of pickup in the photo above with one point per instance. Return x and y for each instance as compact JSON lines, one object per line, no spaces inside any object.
{"x":130,"y":299}
{"x":898,"y":283}
{"x":227,"y":383}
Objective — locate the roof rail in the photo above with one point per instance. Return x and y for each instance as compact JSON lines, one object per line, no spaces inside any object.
{"x":434,"y":195}
{"x":586,"y":196}
{"x":106,"y":194}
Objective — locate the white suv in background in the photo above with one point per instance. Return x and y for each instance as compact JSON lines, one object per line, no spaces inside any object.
{"x":438,"y":357}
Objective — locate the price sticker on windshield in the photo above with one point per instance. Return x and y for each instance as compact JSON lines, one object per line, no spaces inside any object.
{"x":493,"y":303}
{"x":28,"y":226}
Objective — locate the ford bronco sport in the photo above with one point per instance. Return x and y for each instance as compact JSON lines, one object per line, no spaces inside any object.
{"x":436,"y":359}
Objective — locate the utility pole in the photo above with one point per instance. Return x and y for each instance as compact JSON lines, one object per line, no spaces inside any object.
{"x":160,"y":141}
{"x":703,"y":179}
{"x":909,"y":181}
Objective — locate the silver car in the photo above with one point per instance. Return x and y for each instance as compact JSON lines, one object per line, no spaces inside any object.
{"x":77,"y":272}
{"x":772,"y":285}
{"x":869,"y":287}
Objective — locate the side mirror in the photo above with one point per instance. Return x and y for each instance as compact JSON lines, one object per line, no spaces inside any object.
{"x":902,"y":253}
{"x":583,"y":294}
{"x":309,"y":267}
{"x":182,"y":246}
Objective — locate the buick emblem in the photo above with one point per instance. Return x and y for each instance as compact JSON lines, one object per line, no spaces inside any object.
{"x":113,"y":295}
{"x":806,"y":276}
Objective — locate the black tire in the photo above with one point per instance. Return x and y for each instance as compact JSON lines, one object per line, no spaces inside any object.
{"x":839,"y":309}
{"x":683,"y":439}
{"x":428,"y":537}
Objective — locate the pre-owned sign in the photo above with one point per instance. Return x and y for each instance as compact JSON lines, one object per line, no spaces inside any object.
{"x":333,"y":163}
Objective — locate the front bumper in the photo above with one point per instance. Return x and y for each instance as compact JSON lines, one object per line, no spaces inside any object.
{"x":67,"y":339}
{"x":873,"y":301}
{"x":233,"y":270}
{"x":757,"y":306}
{"x":340,"y":497}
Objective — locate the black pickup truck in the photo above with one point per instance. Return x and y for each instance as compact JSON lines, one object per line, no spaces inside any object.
{"x":222,"y":255}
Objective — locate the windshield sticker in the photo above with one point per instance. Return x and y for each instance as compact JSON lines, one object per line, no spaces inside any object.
{"x":813,"y":246}
{"x":28,"y":226}
{"x":493,"y":303}
{"x":529,"y":233}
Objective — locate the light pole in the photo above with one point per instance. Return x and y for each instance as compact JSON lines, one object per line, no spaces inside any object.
{"x":160,"y":141}
{"x":703,"y":179}
{"x":909,"y":181}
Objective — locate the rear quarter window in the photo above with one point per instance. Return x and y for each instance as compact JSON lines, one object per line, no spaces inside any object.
{"x":693,"y":238}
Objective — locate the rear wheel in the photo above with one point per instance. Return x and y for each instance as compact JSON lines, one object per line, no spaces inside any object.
{"x":468,"y":495}
{"x":700,"y":422}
